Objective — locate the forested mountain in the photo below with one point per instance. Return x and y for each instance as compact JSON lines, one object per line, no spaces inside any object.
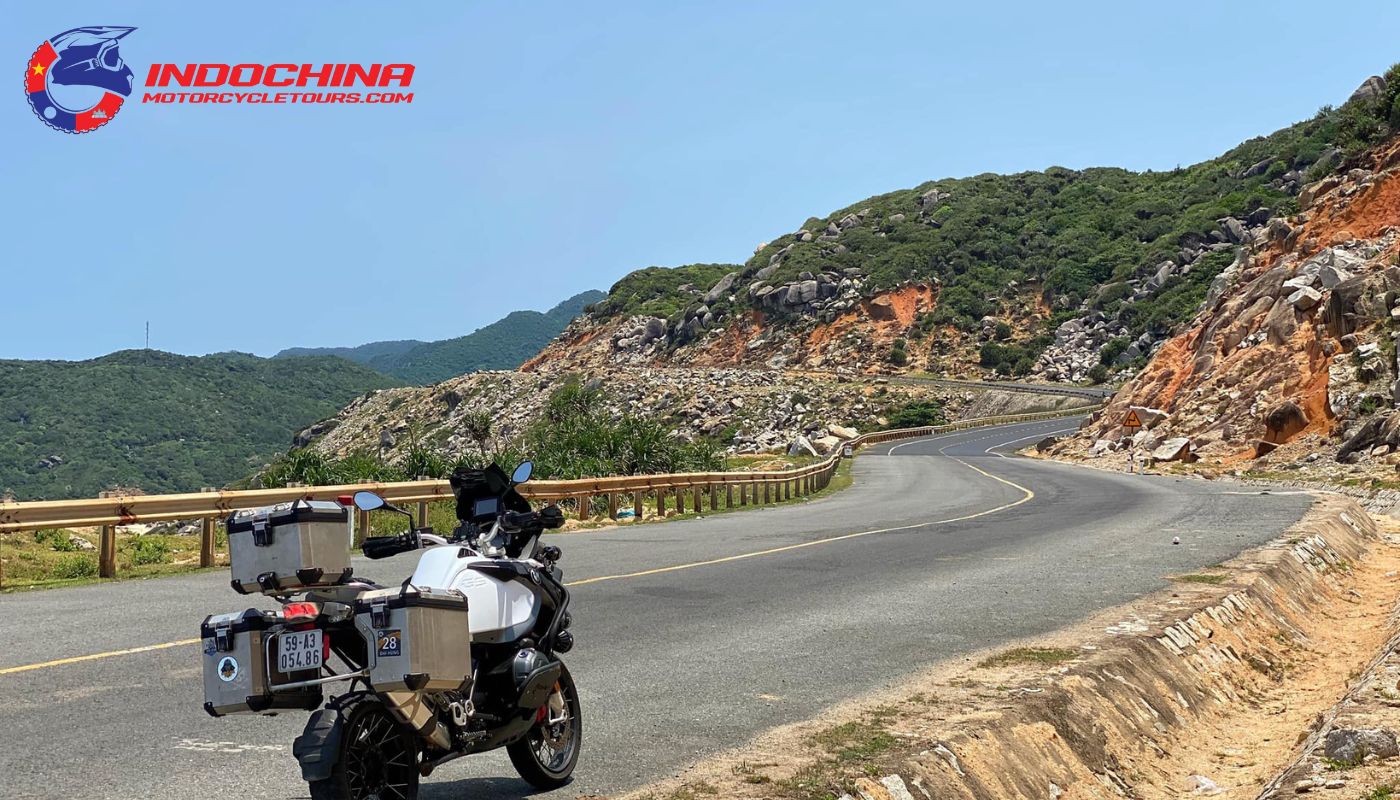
{"x":157,"y":421}
{"x":503,"y":344}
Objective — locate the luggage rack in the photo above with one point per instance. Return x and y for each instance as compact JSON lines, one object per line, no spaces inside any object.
{"x":289,"y":686}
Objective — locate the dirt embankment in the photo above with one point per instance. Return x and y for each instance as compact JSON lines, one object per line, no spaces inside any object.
{"x":1211,"y":688}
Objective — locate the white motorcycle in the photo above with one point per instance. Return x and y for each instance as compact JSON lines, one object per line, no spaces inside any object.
{"x":461,"y":658}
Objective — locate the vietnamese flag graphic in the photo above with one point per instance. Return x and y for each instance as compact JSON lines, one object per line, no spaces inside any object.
{"x":36,"y":77}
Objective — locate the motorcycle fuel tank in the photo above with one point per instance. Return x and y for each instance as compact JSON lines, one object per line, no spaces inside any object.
{"x":498,"y":611}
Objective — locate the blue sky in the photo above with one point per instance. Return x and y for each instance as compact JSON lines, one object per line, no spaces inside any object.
{"x":554,"y":147}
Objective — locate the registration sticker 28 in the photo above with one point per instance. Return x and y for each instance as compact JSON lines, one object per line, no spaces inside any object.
{"x":389,"y":642}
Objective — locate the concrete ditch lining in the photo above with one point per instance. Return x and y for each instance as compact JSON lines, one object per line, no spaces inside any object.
{"x":1102,"y":728}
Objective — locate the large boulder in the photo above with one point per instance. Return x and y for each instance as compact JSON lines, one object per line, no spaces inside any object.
{"x":1370,"y":89}
{"x":1284,"y":421}
{"x":1233,"y":230}
{"x":1175,"y":449}
{"x":720,"y":289}
{"x":1305,"y":298}
{"x":882,"y":308}
{"x":842,"y":431}
{"x":802,"y":293}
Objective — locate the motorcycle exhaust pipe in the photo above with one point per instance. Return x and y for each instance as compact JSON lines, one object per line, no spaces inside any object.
{"x":413,"y":710}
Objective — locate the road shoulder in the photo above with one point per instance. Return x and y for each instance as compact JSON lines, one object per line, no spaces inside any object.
{"x":1215,"y":684}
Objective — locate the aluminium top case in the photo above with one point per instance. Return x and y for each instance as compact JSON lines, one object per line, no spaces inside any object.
{"x":289,"y":547}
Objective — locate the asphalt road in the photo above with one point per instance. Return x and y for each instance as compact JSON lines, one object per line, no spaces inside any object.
{"x":941,"y":547}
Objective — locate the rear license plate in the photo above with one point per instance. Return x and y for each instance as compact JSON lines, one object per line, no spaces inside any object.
{"x":298,"y":650}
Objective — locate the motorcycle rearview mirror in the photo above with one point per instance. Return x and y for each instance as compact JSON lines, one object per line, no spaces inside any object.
{"x":523,"y":472}
{"x":368,"y":501}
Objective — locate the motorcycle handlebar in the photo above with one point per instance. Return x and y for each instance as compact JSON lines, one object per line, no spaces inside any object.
{"x":548,"y":517}
{"x":386,"y":546}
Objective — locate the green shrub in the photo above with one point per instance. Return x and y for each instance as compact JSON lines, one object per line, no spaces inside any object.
{"x":897,"y":355}
{"x":76,"y":566}
{"x":59,"y":541}
{"x":1114,"y":348}
{"x":916,"y":414}
{"x":148,"y":550}
{"x":1098,"y":374}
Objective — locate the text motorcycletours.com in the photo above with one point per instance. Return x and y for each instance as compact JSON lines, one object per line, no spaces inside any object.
{"x":254,"y":77}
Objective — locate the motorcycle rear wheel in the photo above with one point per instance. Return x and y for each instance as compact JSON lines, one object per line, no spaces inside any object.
{"x":377,"y":758}
{"x":545,"y":757}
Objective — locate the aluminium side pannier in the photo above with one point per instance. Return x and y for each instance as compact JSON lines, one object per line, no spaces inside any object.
{"x":419,"y":639}
{"x":239,"y":654}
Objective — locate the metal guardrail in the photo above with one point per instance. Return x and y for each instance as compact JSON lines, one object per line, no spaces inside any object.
{"x":209,"y":506}
{"x":1092,"y":392}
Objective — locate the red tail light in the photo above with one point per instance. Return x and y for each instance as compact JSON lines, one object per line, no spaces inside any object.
{"x":300,"y":612}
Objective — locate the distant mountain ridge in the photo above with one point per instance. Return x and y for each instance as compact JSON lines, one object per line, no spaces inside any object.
{"x":504,"y":344}
{"x":158,"y":421}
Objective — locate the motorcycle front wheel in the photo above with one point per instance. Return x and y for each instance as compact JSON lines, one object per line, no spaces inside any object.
{"x":377,"y":758}
{"x":545,"y":757}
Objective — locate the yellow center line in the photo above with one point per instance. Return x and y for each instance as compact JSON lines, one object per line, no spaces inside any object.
{"x":1027,"y":495}
{"x":95,"y":656}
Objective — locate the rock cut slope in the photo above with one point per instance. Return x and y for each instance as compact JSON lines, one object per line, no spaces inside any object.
{"x":1294,"y":353}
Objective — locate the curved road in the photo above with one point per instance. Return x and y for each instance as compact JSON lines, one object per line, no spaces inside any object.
{"x":693,"y":635}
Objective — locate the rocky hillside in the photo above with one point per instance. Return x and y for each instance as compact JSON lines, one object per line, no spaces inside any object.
{"x":1068,"y":275}
{"x":744,"y":410}
{"x":503,"y":344}
{"x":1291,"y":363}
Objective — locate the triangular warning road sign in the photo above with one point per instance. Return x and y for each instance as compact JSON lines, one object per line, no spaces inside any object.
{"x":1132,"y":420}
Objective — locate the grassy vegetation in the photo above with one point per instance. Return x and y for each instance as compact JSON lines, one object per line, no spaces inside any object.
{"x":504,"y":344}
{"x":157,"y":421}
{"x":1046,"y":656}
{"x":51,"y":558}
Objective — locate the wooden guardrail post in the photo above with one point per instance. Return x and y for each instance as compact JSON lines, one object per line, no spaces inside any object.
{"x":422,"y":515}
{"x":107,"y":552}
{"x":698,"y":498}
{"x":637,"y":498}
{"x":207,"y":541}
{"x":585,"y":506}
{"x":661,"y":503}
{"x":612,"y":505}
{"x":680,"y":500}
{"x":729,"y":495}
{"x":714,"y":497}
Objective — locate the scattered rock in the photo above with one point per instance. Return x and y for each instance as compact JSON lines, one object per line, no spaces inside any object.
{"x":1351,"y":745}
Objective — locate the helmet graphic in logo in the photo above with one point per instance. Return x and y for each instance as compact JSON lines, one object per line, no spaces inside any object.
{"x":76,"y":81}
